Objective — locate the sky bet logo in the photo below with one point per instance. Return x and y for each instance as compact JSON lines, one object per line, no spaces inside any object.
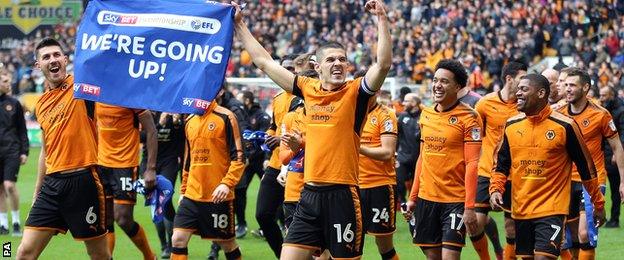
{"x":87,"y":89}
{"x":111,"y":18}
{"x":196,"y":103}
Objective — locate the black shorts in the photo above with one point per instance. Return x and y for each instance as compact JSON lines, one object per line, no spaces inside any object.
{"x":289,"y":210}
{"x":328,"y":217}
{"x":576,"y":201}
{"x":119,"y":182}
{"x":437,"y":224}
{"x":379,"y":210}
{"x":482,"y":202}
{"x":9,"y":167}
{"x":73,"y":201}
{"x":541,"y":236}
{"x":206,"y":219}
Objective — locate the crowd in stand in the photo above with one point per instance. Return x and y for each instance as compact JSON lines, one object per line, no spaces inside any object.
{"x":483,"y":34}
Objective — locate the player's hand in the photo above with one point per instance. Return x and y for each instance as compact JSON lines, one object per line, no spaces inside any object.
{"x":163,"y":119}
{"x":220,"y":193}
{"x":496,"y":201}
{"x":176,"y":118}
{"x":281,"y":179}
{"x":375,"y":7}
{"x":410,"y":205}
{"x":599,"y":217}
{"x":470,"y":220}
{"x":149,"y":177}
{"x":238,"y":16}
{"x":272,"y":141}
{"x":622,"y":190}
{"x":23,"y":159}
{"x":292,"y":140}
{"x":613,"y":160}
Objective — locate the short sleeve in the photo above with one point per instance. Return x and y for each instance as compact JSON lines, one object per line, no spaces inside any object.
{"x":473,"y":128}
{"x":608,"y":125}
{"x":303,"y":85}
{"x":388,"y":123}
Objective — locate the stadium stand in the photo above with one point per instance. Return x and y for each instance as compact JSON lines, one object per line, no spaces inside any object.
{"x":484,"y":34}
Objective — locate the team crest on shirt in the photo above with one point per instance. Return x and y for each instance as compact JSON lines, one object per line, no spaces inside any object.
{"x":550,"y":134}
{"x":211,"y":126}
{"x":475,"y":133}
{"x":612,"y":125}
{"x":373,"y":120}
{"x":388,"y":126}
{"x":453,"y":120}
{"x":585,"y":122}
{"x":8,"y":108}
{"x":405,"y":120}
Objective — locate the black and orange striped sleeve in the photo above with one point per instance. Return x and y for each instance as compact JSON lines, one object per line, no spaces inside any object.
{"x":584,"y":164}
{"x":502,"y":166}
{"x":235,"y":146}
{"x":186,"y":167}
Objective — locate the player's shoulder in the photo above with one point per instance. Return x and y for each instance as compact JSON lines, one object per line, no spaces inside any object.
{"x":303,"y":81}
{"x":386,"y":111}
{"x":516,"y":119}
{"x":466,"y":110}
{"x":596,"y":108}
{"x":561,"y":118}
{"x":223,"y":111}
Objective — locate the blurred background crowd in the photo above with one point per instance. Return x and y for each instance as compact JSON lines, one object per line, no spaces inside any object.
{"x":483,"y":34}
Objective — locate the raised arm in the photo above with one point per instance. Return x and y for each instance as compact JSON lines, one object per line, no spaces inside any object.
{"x":260,"y":57}
{"x":376,"y":74}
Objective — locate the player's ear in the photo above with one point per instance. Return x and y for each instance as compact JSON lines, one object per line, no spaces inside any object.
{"x":542,"y":93}
{"x":317,"y":67}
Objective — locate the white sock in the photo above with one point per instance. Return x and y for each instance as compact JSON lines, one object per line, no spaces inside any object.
{"x":4,"y":220}
{"x":15,"y":216}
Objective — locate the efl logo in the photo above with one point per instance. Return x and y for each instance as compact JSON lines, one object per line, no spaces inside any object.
{"x":89,"y":89}
{"x":197,"y":24}
{"x":113,"y":18}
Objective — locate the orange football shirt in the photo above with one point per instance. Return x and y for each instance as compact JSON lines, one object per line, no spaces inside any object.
{"x":595,"y":124}
{"x":118,"y":135}
{"x":537,"y":154}
{"x":213,"y":154}
{"x":281,"y":105}
{"x":334,"y":121}
{"x":381,"y":120}
{"x":494,"y":113}
{"x":67,"y":130}
{"x":293,"y":121}
{"x":443,"y":165}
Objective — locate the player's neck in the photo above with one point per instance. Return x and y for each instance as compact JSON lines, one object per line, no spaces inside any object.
{"x":445,"y":106}
{"x":538,"y":109}
{"x":578,"y":106}
{"x":463,"y":92}
{"x":506,"y":95}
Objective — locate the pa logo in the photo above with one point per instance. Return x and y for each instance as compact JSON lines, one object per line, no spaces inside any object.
{"x":550,"y":134}
{"x":585,"y":122}
{"x":211,"y":126}
{"x":6,"y":249}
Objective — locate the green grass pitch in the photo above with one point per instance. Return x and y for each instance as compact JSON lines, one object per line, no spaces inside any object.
{"x":64,"y":247}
